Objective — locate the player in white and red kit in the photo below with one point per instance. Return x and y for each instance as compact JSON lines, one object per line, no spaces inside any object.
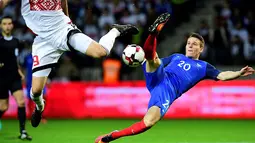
{"x":55,"y":34}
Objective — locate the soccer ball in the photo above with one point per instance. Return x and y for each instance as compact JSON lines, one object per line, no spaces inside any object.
{"x":133,"y":55}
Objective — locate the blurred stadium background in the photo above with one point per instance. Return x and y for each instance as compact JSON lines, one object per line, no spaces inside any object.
{"x":87,"y":97}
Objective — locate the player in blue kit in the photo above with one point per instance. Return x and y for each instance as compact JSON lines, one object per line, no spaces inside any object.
{"x":28,"y":64}
{"x":168,"y":78}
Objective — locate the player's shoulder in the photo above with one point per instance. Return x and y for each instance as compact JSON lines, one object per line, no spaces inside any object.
{"x":177,"y":56}
{"x":205,"y":63}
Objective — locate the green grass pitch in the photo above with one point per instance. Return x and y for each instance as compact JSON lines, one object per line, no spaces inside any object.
{"x":166,"y":131}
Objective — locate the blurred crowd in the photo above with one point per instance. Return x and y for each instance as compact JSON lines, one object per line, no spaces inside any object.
{"x":229,"y":41}
{"x":94,"y":18}
{"x":232,"y":39}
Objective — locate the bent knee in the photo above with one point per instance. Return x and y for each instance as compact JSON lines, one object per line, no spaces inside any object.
{"x":152,"y":65}
{"x":100,"y":52}
{"x":96,"y":50}
{"x":150,"y":122}
{"x":3,"y":107}
{"x":155,"y":62}
{"x":37,"y":90}
{"x":38,"y":84}
{"x":21,"y":102}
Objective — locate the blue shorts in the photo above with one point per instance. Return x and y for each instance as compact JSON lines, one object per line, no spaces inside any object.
{"x":160,"y":87}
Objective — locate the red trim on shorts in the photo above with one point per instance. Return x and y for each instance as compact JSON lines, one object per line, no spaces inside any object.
{"x":70,"y":22}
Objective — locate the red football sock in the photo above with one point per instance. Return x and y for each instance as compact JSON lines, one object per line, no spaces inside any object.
{"x":150,"y":46}
{"x":134,"y":129}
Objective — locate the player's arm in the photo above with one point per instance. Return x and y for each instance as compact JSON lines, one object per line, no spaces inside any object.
{"x":3,"y":3}
{"x":65,"y":7}
{"x":21,"y":72}
{"x":211,"y":72}
{"x":230,"y":75}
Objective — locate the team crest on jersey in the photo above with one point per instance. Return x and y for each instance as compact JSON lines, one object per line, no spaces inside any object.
{"x":198,"y":65}
{"x":45,"y":5}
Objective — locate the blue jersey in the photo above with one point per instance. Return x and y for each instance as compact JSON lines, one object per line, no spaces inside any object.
{"x":28,"y":64}
{"x":175,"y":75}
{"x":185,"y":72}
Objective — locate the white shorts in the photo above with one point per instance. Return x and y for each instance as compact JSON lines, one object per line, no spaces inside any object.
{"x":47,"y":51}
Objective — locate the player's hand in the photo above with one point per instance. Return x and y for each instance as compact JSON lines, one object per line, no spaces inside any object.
{"x":247,"y":71}
{"x":22,"y":77}
{"x":21,"y":74}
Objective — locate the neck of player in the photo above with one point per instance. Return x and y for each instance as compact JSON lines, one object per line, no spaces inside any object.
{"x":194,"y":58}
{"x":7,"y":34}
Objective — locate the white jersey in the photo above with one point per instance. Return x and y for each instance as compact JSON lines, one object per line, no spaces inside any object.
{"x":48,"y":21}
{"x":44,"y":17}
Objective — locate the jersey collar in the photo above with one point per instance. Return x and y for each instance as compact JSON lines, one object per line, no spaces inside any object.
{"x":8,"y":38}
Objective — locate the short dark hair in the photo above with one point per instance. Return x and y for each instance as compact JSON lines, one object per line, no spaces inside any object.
{"x":198,"y":36}
{"x":5,"y":17}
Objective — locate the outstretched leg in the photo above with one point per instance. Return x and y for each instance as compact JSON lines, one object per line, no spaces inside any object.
{"x":150,"y":44}
{"x":86,"y":45}
{"x":154,"y":112}
{"x":151,"y":118}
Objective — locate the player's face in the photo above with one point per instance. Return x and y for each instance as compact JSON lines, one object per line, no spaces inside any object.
{"x":7,"y":25}
{"x":193,"y":48}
